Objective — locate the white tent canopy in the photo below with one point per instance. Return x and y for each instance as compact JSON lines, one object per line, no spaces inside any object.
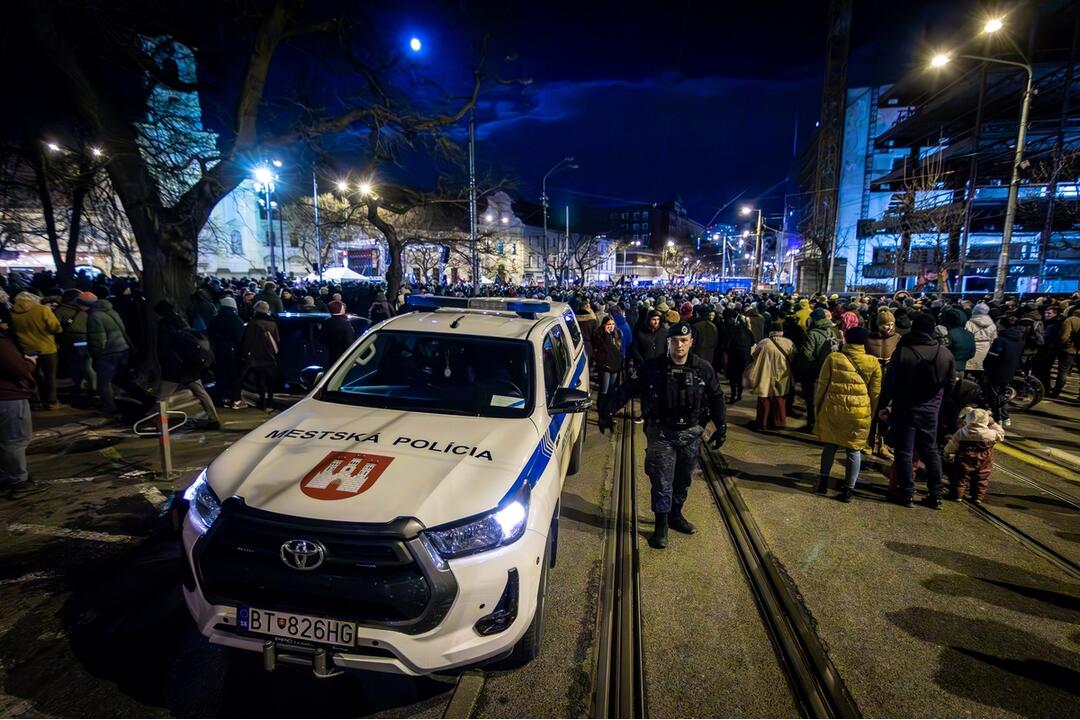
{"x":338,"y":274}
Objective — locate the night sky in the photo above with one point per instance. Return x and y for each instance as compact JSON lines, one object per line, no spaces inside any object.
{"x":694,"y":98}
{"x":691,"y":98}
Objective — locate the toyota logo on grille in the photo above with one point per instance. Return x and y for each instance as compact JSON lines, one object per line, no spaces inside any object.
{"x":302,"y":554}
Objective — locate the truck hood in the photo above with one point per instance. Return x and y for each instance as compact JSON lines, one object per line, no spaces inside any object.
{"x":357,"y":464}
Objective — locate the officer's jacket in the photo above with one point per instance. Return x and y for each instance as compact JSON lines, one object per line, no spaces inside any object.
{"x":676,"y":395}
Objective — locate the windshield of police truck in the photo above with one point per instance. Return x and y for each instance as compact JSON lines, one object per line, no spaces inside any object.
{"x":428,"y":372}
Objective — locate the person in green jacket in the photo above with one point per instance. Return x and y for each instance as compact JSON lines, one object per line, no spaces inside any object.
{"x":811,"y":355}
{"x":74,"y":351}
{"x":36,"y":327}
{"x":959,"y":340}
{"x":109,"y":345}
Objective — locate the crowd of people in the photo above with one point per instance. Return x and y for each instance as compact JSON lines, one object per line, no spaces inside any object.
{"x":915,"y":380}
{"x":869,"y":373}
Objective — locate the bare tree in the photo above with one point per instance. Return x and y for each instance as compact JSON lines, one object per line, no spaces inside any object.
{"x":110,"y":72}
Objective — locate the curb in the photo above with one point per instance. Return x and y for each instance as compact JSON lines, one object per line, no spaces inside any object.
{"x":63,"y":431}
{"x":1054,"y":461}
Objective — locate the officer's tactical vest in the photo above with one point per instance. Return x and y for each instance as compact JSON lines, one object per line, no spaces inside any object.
{"x":682,"y":397}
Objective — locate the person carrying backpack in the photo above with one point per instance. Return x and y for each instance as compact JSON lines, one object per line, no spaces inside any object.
{"x":183,"y":355}
{"x":821,"y":339}
{"x":917,"y":378}
{"x":259,"y":351}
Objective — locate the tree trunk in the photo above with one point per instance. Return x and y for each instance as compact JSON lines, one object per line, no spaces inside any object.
{"x":394,"y":246}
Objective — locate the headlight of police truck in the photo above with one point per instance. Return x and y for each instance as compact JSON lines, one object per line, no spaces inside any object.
{"x":202,"y":502}
{"x":500,"y":527}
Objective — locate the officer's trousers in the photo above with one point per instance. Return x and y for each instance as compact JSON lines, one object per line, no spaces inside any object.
{"x":670,"y":458}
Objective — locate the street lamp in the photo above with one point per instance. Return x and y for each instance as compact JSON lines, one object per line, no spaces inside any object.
{"x":634,"y":243}
{"x":567,"y":163}
{"x":756,"y":272}
{"x":264,"y":178}
{"x":940,"y":60}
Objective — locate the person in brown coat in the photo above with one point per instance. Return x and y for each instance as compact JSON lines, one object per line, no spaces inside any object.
{"x":881,"y":344}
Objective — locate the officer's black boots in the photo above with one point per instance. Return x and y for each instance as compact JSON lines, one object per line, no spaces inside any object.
{"x":823,"y":484}
{"x":676,"y":521}
{"x":658,"y":539}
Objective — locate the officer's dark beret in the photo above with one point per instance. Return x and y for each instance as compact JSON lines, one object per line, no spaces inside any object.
{"x":679,"y":328}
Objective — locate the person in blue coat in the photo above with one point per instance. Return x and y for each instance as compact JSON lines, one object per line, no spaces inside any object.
{"x":624,"y":329}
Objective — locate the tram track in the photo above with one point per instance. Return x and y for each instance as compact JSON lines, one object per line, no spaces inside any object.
{"x":1040,"y":548}
{"x":815,"y":683}
{"x":619,"y":678}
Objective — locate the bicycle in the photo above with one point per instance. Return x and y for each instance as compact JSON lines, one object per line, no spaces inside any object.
{"x":1025,"y":390}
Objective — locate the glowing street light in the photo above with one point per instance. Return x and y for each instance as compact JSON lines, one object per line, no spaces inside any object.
{"x":994,"y":25}
{"x":96,"y":151}
{"x":365,"y":188}
{"x":671,"y":243}
{"x":746,"y":210}
{"x":488,"y":217}
{"x":415,"y":45}
{"x":342,"y":186}
{"x":276,"y":163}
{"x":264,"y":175}
{"x":53,"y":146}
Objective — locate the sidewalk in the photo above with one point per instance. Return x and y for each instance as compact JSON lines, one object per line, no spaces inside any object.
{"x":70,"y":423}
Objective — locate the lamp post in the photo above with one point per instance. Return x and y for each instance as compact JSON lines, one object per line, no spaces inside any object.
{"x":264,"y":177}
{"x":940,"y":60}
{"x":564,"y":164}
{"x":318,"y":234}
{"x":756,"y":271}
{"x":625,"y":267}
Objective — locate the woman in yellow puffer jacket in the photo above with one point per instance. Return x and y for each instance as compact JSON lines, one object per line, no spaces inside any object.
{"x":846,"y":394}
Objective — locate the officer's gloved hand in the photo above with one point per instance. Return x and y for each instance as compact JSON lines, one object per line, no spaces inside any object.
{"x":716,"y":440}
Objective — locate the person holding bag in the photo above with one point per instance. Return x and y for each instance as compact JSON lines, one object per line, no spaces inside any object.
{"x":847,"y":392}
{"x":769,"y":377}
{"x":259,"y":351}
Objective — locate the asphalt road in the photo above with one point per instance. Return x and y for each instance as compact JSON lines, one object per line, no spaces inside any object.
{"x":89,"y":585}
{"x":923,"y":613}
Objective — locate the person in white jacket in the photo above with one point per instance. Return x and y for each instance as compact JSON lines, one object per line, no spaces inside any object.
{"x":969,"y":454}
{"x":982,"y":326}
{"x":769,"y":377}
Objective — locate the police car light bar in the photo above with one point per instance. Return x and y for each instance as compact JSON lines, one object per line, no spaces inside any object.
{"x":433,"y":302}
{"x":533,"y":307}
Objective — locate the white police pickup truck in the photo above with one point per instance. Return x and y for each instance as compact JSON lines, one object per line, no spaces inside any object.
{"x":403,"y":516}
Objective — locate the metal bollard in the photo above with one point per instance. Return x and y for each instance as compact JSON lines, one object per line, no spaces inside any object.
{"x":166,"y":444}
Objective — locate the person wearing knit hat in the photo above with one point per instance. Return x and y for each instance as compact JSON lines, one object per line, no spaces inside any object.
{"x":225,"y":331}
{"x":984,"y":330}
{"x":803,"y":313}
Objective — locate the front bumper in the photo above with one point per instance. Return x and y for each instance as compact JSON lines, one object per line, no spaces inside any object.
{"x":454,"y":642}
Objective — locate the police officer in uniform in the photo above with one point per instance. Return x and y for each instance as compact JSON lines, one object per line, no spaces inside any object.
{"x":680,"y":393}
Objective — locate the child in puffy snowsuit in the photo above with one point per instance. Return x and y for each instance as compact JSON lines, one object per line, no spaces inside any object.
{"x":969,"y":454}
